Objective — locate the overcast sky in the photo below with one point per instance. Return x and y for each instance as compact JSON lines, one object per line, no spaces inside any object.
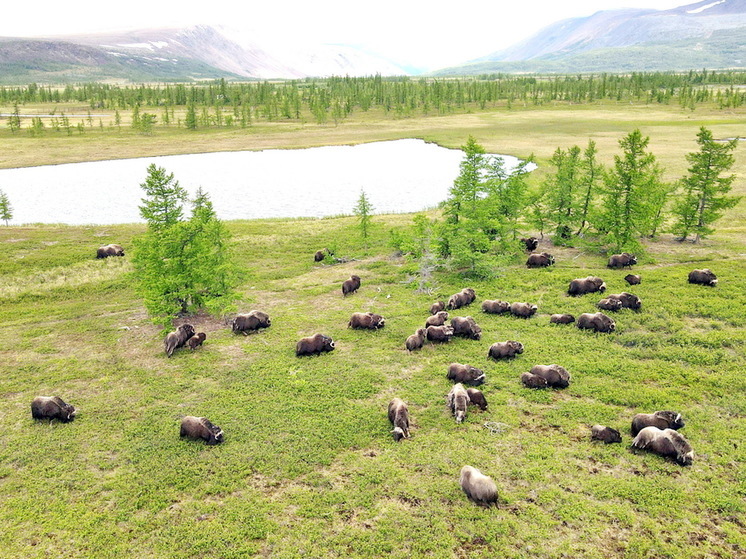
{"x":421,"y":33}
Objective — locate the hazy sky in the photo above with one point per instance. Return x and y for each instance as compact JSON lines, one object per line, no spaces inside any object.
{"x":421,"y":33}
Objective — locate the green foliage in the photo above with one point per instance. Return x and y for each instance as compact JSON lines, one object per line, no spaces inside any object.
{"x":363,"y":210}
{"x":6,"y":210}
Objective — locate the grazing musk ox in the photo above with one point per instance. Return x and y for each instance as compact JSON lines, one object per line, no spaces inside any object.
{"x":561,"y":319}
{"x":533,"y":381}
{"x":177,"y":339}
{"x":460,"y":373}
{"x":597,"y":322}
{"x":201,"y":428}
{"x":439,"y":333}
{"x":623,"y":260}
{"x":478,"y":487}
{"x":665,"y":442}
{"x":196,"y":341}
{"x":633,"y":279}
{"x":458,"y":400}
{"x":350,"y":286}
{"x":437,"y":319}
{"x":555,"y":375}
{"x":605,"y":434}
{"x":523,"y":310}
{"x":539,"y":260}
{"x":366,"y":320}
{"x":250,"y":322}
{"x":628,"y":300}
{"x":609,"y":304}
{"x":659,"y":419}
{"x":416,"y":340}
{"x":320,"y":255}
{"x":530,"y":243}
{"x":314,"y":345}
{"x":590,"y":284}
{"x":509,"y":349}
{"x":466,"y":326}
{"x":52,"y":407}
{"x":703,"y":277}
{"x":477,"y":398}
{"x":495,"y":307}
{"x":437,"y":307}
{"x":109,"y":250}
{"x":461,"y":299}
{"x":399,"y":418}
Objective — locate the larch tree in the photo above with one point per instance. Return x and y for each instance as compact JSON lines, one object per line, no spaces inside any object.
{"x":6,"y":210}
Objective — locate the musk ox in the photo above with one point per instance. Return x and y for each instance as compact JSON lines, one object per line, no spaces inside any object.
{"x":437,"y":307}
{"x":461,"y":299}
{"x":495,"y":307}
{"x":51,"y":407}
{"x":460,"y":373}
{"x":539,"y":260}
{"x":665,"y":442}
{"x":201,"y":428}
{"x":628,"y":300}
{"x":530,"y":243}
{"x":109,"y":250}
{"x":605,"y":434}
{"x":609,"y":304}
{"x":438,"y":319}
{"x":177,"y":339}
{"x":533,"y":381}
{"x":703,"y":277}
{"x":624,"y":260}
{"x":478,"y":487}
{"x":350,"y":286}
{"x":659,"y":419}
{"x":501,"y":350}
{"x":416,"y":340}
{"x":555,"y":375}
{"x":581,"y":286}
{"x":439,"y":333}
{"x":633,"y":279}
{"x":399,"y":417}
{"x":477,"y":398}
{"x":250,"y":322}
{"x":523,"y":310}
{"x":458,"y":400}
{"x":195,"y":341}
{"x":366,"y":320}
{"x":320,"y":255}
{"x":466,"y":326}
{"x":561,"y":319}
{"x":315,"y":344}
{"x":597,"y":322}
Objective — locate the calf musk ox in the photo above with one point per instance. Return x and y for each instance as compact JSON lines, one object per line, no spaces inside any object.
{"x":439,"y":333}
{"x":539,"y":260}
{"x":399,"y":418}
{"x":250,"y":322}
{"x":495,"y":307}
{"x":366,"y":321}
{"x":628,"y":300}
{"x":478,"y":487}
{"x":523,"y":310}
{"x":533,"y":381}
{"x":624,"y":260}
{"x":581,"y":286}
{"x":666,"y":442}
{"x":109,"y":250}
{"x":501,"y":350}
{"x":458,"y":372}
{"x":195,"y":341}
{"x":416,"y":340}
{"x":703,"y":277}
{"x":458,"y":400}
{"x":659,"y":419}
{"x":555,"y":375}
{"x":477,"y":398}
{"x":597,"y":322}
{"x":314,"y":345}
{"x":461,"y":299}
{"x":52,"y":407}
{"x":605,"y":434}
{"x":437,"y":307}
{"x":530,"y":243}
{"x":633,"y":279}
{"x":177,"y":339}
{"x":609,"y":304}
{"x":350,"y":286}
{"x":438,"y":319}
{"x":201,"y":428}
{"x":561,"y":319}
{"x":466,"y":326}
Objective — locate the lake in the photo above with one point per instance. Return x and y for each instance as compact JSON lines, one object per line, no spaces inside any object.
{"x":397,"y":176}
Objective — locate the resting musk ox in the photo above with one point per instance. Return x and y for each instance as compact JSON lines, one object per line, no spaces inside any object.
{"x":439,"y":333}
{"x":320,"y":255}
{"x":466,"y":326}
{"x":458,"y":400}
{"x":416,"y":340}
{"x":703,"y":277}
{"x":530,"y":243}
{"x":561,"y":319}
{"x":477,"y":398}
{"x":109,"y":250}
{"x":659,"y":419}
{"x":178,"y":338}
{"x":461,"y":299}
{"x":665,"y":442}
{"x":350,"y":286}
{"x":437,"y":307}
{"x":523,"y":310}
{"x":366,"y":320}
{"x":250,"y":322}
{"x":633,"y":279}
{"x":624,"y":260}
{"x":555,"y":375}
{"x":495,"y":307}
{"x":478,"y":487}
{"x":196,"y":340}
{"x":628,"y":300}
{"x":201,"y":428}
{"x":609,"y":304}
{"x":399,"y":417}
{"x":458,"y":372}
{"x":509,"y":349}
{"x":315,"y":344}
{"x":438,"y":319}
{"x":533,"y":381}
{"x":52,"y":407}
{"x":539,"y":260}
{"x":605,"y":434}
{"x":597,"y":322}
{"x":581,"y":286}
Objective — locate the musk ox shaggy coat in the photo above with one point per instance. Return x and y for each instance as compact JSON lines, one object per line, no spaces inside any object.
{"x":178,"y":338}
{"x":313,"y":345}
{"x":561,"y":319}
{"x":501,"y":350}
{"x":458,"y":372}
{"x":416,"y":340}
{"x":437,"y":307}
{"x":461,"y":299}
{"x":597,"y":322}
{"x":250,"y":322}
{"x":609,"y":304}
{"x":52,"y":407}
{"x":665,"y":442}
{"x":477,"y":398}
{"x":319,"y":256}
{"x":201,"y":428}
{"x":523,"y":310}
{"x":605,"y":434}
{"x":539,"y":260}
{"x":533,"y":381}
{"x":109,"y":250}
{"x":555,"y":375}
{"x":350,"y":286}
{"x":366,"y":321}
{"x":478,"y":487}
{"x":466,"y":326}
{"x":633,"y":279}
{"x":624,"y":260}
{"x":195,"y":341}
{"x":458,"y":401}
{"x":439,"y":333}
{"x":703,"y":277}
{"x":628,"y":300}
{"x":659,"y":419}
{"x":399,"y":417}
{"x":530,"y":243}
{"x":438,"y":319}
{"x":590,"y":284}
{"x":495,"y":307}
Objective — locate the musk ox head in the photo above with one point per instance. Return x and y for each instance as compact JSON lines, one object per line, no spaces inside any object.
{"x":605,"y":434}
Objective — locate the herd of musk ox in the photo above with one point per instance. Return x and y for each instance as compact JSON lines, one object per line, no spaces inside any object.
{"x":656,"y":432}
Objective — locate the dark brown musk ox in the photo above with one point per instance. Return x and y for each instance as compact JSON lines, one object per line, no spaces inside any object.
{"x":533,"y":381}
{"x":436,"y":307}
{"x":463,"y":298}
{"x":350,"y":285}
{"x":561,"y":319}
{"x":438,"y":319}
{"x":502,"y":350}
{"x":466,"y":374}
{"x":530,"y":243}
{"x":703,"y":277}
{"x":523,"y":310}
{"x":479,"y":488}
{"x":109,"y":250}
{"x":597,"y":322}
{"x":555,"y":375}
{"x":416,"y":340}
{"x":320,"y":255}
{"x":581,"y":286}
{"x":539,"y":260}
{"x":467,"y":327}
{"x":606,"y":434}
{"x":399,"y":418}
{"x":314,"y":345}
{"x":628,"y":300}
{"x":609,"y":304}
{"x":250,"y":322}
{"x":177,"y":339}
{"x":439,"y":333}
{"x":633,"y":279}
{"x":52,"y":407}
{"x":659,"y":419}
{"x":366,"y":321}
{"x":666,"y":442}
{"x":495,"y":307}
{"x":623,"y":260}
{"x":477,"y":398}
{"x":195,"y":341}
{"x":458,"y":401}
{"x":201,"y":428}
